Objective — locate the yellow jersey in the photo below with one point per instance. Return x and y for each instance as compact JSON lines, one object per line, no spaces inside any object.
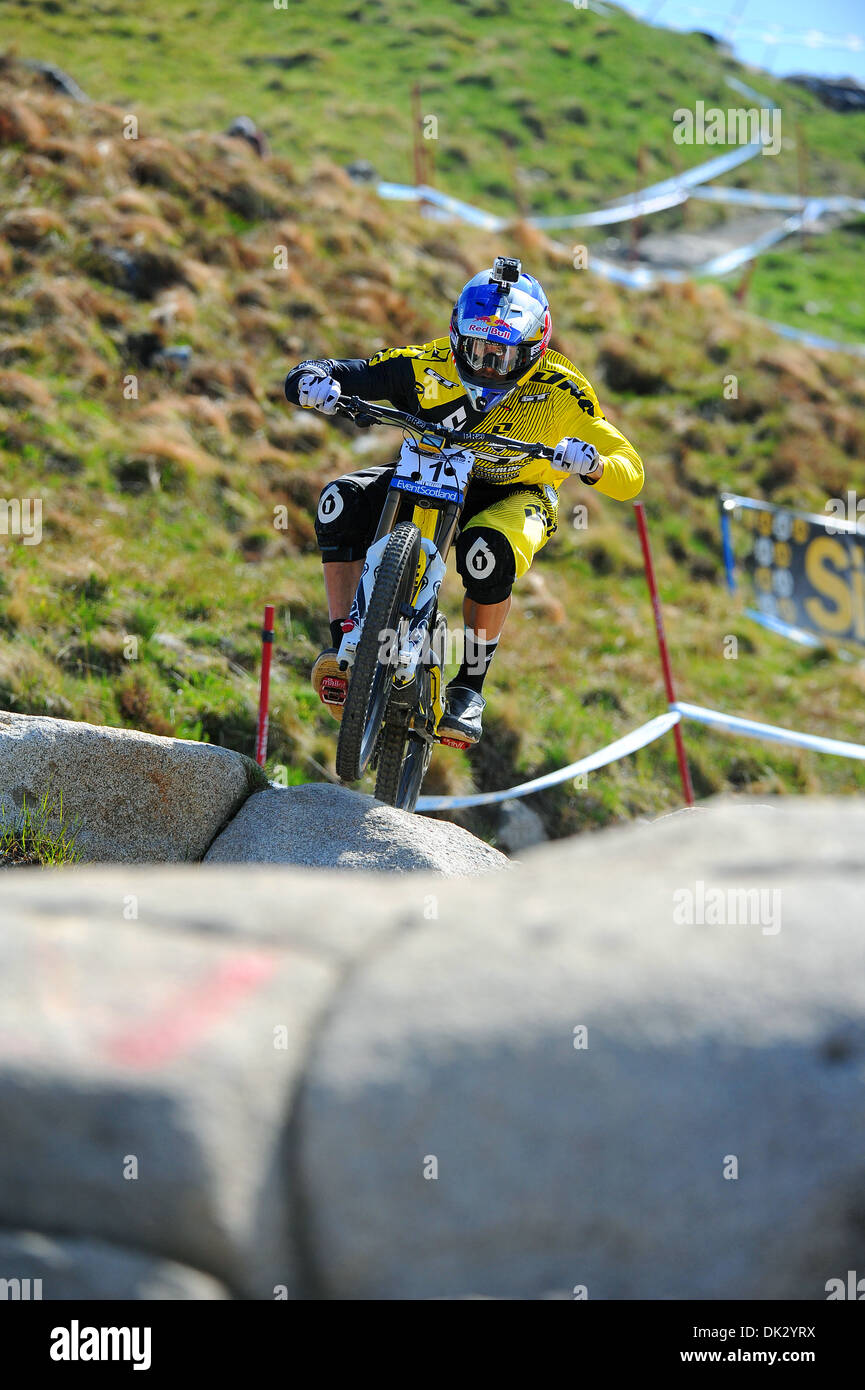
{"x":555,"y":401}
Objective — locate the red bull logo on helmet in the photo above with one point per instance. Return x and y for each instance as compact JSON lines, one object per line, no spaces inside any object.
{"x":491,"y":326}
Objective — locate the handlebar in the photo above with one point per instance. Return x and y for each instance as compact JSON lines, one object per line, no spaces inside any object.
{"x":367,"y":413}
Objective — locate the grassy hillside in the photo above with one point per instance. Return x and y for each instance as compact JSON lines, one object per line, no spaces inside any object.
{"x":533,"y":108}
{"x":542,"y":103}
{"x":816,"y":286}
{"x":159,"y":508}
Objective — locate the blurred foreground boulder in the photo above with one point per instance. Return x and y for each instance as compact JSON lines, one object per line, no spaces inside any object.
{"x":631,"y":1067}
{"x":73,"y":1269}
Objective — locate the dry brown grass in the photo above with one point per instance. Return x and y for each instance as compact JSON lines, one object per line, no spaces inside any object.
{"x":20,"y":124}
{"x":24,"y":392}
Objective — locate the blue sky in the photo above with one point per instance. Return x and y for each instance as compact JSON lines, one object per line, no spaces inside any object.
{"x":793,"y":36}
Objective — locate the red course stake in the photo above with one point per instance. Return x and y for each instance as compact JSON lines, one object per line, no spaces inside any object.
{"x":684,"y":770}
{"x":264,"y":691}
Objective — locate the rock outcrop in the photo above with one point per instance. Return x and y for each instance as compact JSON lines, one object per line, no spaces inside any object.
{"x":131,"y":797}
{"x":331,"y":827}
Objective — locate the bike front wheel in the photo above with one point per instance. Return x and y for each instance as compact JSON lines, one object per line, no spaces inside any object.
{"x":372,"y":675}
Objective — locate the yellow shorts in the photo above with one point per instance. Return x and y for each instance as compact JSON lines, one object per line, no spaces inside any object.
{"x":499,"y":538}
{"x":525,"y":519}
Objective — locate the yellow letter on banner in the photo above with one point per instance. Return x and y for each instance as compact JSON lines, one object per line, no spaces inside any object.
{"x":822,"y":553}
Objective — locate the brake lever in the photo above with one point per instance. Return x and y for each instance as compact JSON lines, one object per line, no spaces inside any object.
{"x":352,"y":408}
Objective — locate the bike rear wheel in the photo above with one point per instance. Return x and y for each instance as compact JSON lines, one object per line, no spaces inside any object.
{"x":403,"y":760}
{"x":371,"y":681}
{"x":404,"y":755}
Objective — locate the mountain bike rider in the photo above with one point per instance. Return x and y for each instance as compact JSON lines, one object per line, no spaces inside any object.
{"x":496,"y":374}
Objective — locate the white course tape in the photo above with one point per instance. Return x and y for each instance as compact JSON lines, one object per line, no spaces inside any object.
{"x":638,"y":278}
{"x":638,"y":738}
{"x":805,"y":212}
{"x":853,"y":528}
{"x":744,"y":90}
{"x":796,"y":634}
{"x":658,"y":195}
{"x":422,"y":193}
{"x":639,"y":206}
{"x":751,"y":729}
{"x":666,"y":194}
{"x":655,"y":198}
{"x":750,"y":197}
{"x":644,"y":277}
{"x":815,"y":340}
{"x":731,"y":260}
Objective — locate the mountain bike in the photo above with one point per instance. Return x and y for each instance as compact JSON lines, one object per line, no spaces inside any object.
{"x":394,"y":640}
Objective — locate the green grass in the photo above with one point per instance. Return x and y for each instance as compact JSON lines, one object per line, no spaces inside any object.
{"x":816,"y":285}
{"x":39,"y":835}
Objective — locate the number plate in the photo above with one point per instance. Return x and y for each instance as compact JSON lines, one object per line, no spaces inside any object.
{"x":434,"y":474}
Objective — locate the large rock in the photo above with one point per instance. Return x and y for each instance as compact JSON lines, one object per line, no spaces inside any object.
{"x":391,"y":1095}
{"x":459,"y":1134}
{"x":136,"y":797}
{"x":334,"y":828}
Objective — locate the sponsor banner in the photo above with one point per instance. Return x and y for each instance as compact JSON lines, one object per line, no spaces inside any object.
{"x":807,"y":570}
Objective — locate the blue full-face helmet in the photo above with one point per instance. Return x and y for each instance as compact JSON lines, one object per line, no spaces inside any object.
{"x":500,"y":329}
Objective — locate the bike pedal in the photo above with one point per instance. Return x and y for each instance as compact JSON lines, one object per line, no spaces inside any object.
{"x":333,"y":690}
{"x":455,"y":742}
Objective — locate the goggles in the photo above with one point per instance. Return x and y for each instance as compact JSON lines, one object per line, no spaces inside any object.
{"x":488,"y":361}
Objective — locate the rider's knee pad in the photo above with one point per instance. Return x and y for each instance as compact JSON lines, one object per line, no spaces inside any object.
{"x":347,"y":514}
{"x":485,"y":562}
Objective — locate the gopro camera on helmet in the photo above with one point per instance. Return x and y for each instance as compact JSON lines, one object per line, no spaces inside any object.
{"x":506,"y":271}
